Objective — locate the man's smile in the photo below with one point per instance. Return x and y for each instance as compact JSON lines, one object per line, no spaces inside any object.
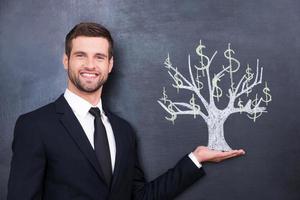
{"x":89,"y":75}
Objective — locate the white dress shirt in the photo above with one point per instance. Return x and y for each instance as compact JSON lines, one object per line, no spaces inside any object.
{"x":81,"y":109}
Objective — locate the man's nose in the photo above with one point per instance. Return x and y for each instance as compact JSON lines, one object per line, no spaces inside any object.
{"x":90,"y":64}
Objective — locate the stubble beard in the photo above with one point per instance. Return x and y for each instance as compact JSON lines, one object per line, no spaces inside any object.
{"x":81,"y":86}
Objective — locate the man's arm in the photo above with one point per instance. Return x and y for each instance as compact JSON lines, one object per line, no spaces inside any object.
{"x":176,"y":180}
{"x":168,"y":185}
{"x":28,"y":162}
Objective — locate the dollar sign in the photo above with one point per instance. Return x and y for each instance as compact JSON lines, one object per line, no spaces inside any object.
{"x":228,"y":54}
{"x":254,"y":116}
{"x":195,"y":107}
{"x":268,"y":96}
{"x":165,"y":97}
{"x":167,"y":62}
{"x":240,"y":105}
{"x":177,"y":80}
{"x":249,"y":77}
{"x":173,"y":115}
{"x":199,"y":51}
{"x":217,"y":91}
{"x":199,"y":83}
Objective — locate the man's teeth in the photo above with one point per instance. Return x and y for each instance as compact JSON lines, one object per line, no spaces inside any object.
{"x":88,"y":75}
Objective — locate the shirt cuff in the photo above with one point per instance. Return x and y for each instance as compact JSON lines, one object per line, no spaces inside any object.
{"x":194,"y":159}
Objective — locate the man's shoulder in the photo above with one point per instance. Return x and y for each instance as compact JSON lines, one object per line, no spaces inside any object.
{"x":41,"y":113}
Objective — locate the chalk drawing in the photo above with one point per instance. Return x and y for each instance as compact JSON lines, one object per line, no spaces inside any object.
{"x":238,"y":93}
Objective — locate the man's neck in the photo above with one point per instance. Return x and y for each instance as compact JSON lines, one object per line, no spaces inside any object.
{"x":93,"y":98}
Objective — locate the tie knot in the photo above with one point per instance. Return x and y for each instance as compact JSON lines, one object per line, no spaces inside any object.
{"x":95,"y":111}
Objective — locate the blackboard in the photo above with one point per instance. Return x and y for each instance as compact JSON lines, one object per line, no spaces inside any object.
{"x":31,"y":46}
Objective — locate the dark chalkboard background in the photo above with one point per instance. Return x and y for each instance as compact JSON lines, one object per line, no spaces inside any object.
{"x":31,"y":46}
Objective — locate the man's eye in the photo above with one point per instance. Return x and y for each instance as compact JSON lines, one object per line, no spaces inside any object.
{"x":99,"y":58}
{"x":79,"y":55}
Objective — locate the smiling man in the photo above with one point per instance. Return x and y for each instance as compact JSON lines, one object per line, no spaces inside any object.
{"x":75,"y":149}
{"x":88,"y":66}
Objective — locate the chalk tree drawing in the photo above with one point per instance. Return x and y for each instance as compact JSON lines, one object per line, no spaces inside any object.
{"x":200,"y":76}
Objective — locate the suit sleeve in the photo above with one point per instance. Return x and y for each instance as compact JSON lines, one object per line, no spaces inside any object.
{"x":28,"y":162}
{"x":168,"y":185}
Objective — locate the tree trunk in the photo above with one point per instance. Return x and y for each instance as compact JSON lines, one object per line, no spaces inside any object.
{"x":216,"y":139}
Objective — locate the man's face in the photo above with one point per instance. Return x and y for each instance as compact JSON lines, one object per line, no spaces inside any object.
{"x":88,"y":65}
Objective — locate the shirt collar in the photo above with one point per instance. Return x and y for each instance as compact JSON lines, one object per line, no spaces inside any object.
{"x":79,"y":105}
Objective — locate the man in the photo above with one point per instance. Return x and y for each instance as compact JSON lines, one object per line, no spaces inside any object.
{"x":76,"y":149}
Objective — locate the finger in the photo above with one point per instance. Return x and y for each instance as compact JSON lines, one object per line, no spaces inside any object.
{"x":243,"y":152}
{"x":228,"y":153}
{"x":233,"y":154}
{"x":240,"y":151}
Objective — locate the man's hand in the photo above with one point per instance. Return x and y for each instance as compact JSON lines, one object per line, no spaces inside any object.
{"x":204,"y":154}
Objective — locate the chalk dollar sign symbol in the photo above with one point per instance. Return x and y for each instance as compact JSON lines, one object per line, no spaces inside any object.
{"x":199,"y":83}
{"x":217,"y":91}
{"x":173,"y":114}
{"x":240,"y":105}
{"x":177,"y":80}
{"x":167,"y":62}
{"x":254,"y":116}
{"x":194,"y":106}
{"x":165,"y":97}
{"x":202,"y":57}
{"x":228,"y":54}
{"x":266,"y":91}
{"x":249,"y":77}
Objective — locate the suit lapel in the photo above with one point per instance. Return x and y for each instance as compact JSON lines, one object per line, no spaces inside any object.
{"x":73,"y":127}
{"x":119,"y":145}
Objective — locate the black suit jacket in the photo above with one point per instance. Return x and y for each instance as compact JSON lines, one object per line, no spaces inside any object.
{"x":53,"y":160}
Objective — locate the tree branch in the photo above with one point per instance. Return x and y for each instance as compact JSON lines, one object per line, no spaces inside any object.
{"x":249,"y":88}
{"x":211,"y":98}
{"x":196,"y":89}
{"x":173,"y":108}
{"x":247,"y":108}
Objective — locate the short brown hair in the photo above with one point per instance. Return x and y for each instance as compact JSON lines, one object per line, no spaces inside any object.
{"x":89,"y":29}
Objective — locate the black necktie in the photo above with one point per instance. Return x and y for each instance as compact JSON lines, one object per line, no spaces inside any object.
{"x":101,"y":145}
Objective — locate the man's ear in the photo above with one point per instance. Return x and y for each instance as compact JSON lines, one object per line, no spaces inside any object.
{"x":111,"y":64}
{"x":65,"y":61}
